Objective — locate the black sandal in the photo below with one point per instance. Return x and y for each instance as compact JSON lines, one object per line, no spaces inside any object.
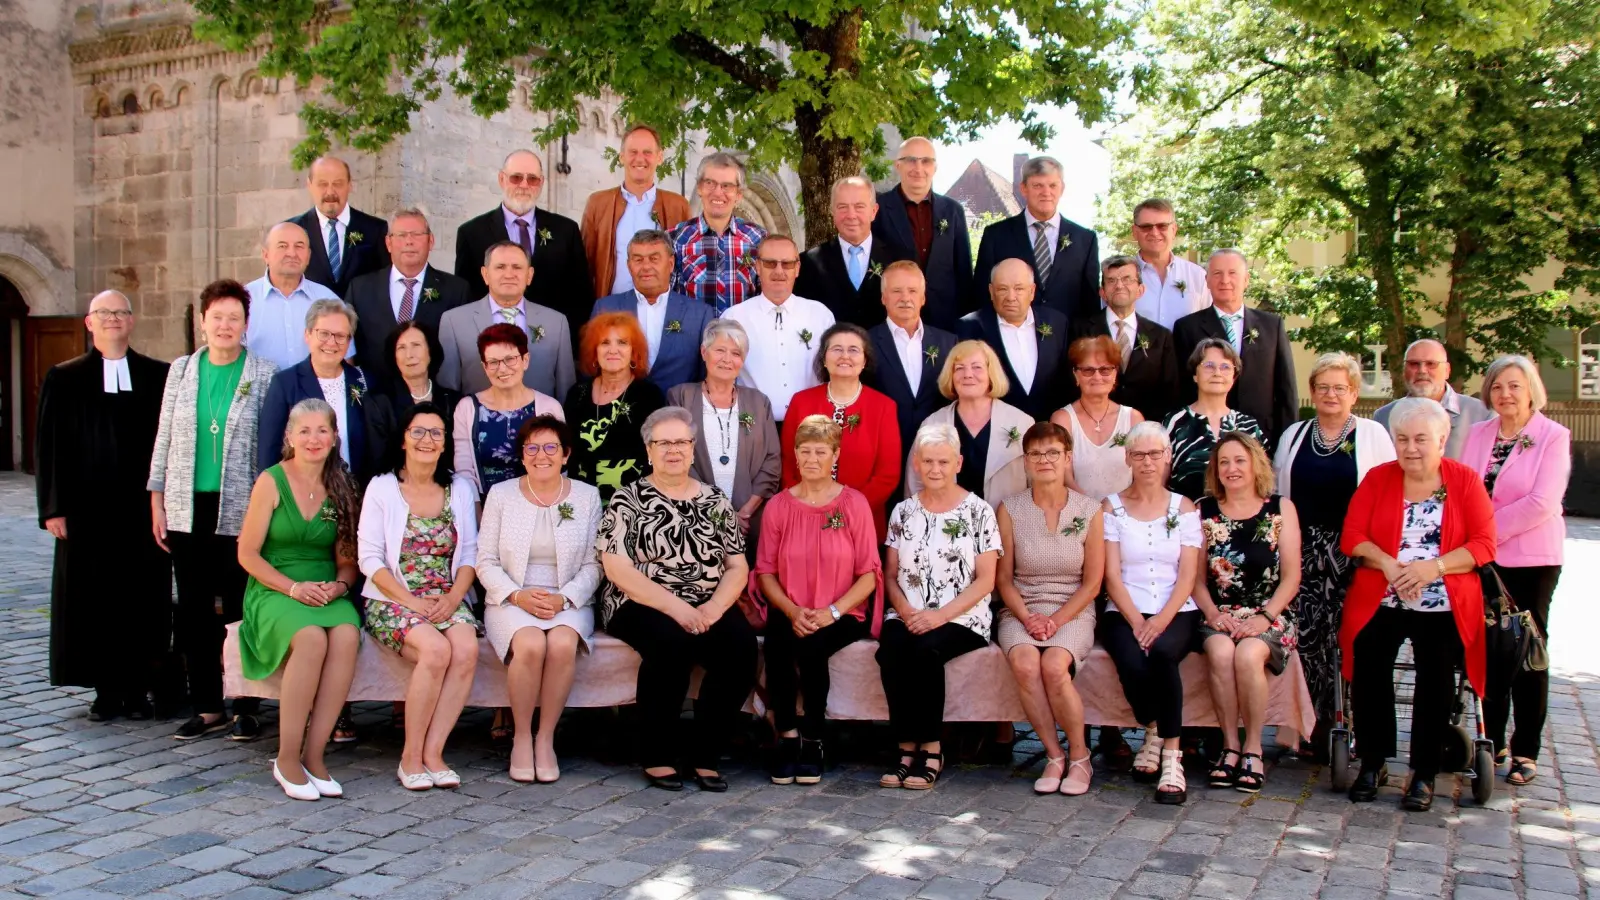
{"x":908,"y":762}
{"x":929,"y":776}
{"x":1523,"y":771}
{"x":1223,"y":774}
{"x":1248,"y":780}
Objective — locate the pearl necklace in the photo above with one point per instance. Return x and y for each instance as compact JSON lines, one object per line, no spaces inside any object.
{"x":1321,"y":447}
{"x":417,"y":398}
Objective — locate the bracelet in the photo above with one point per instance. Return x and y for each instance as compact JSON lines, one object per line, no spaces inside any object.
{"x":1440,"y":561}
{"x":292,"y":588}
{"x":343,"y":582}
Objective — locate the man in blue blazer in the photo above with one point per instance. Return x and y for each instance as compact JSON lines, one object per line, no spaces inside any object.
{"x":357,"y":239}
{"x":931,"y":229}
{"x":672,"y":323}
{"x":908,"y":353}
{"x":1064,"y":256}
{"x":1030,"y":340}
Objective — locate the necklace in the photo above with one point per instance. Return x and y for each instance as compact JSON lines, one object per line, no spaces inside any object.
{"x":725,"y":426}
{"x":527,"y":482}
{"x":849,"y":402}
{"x":1085,"y":411}
{"x":1320,"y":445}
{"x":216,"y":428}
{"x":425,"y":394}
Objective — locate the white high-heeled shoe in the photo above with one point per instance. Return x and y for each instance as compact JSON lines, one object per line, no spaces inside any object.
{"x":327,"y":788}
{"x":418,"y":782}
{"x":307,"y":791}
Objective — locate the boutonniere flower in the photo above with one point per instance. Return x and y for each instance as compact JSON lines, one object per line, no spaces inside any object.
{"x":1348,"y":448}
{"x":932,"y":353}
{"x":1144,"y":343}
{"x":944,"y":225}
{"x":328,"y":513}
{"x":1012,"y":436}
{"x":852,"y":421}
{"x":655,"y":219}
{"x":538,"y":333}
{"x":430,"y":294}
{"x":1075,"y":527}
{"x":875,"y":269}
{"x":1252,"y":335}
{"x":720,"y":518}
{"x":747,"y":421}
{"x":955,"y":528}
{"x":1181,"y":285}
{"x":674,"y":326}
{"x":353,"y":237}
{"x":835,"y":522}
{"x":1525,"y":442}
{"x":1065,"y":243}
{"x":565,"y":512}
{"x":805,"y":337}
{"x":544,"y":236}
{"x":1439,"y":494}
{"x":1120,"y":439}
{"x":244,"y":388}
{"x":621,"y":408}
{"x":1045,"y":330}
{"x":1172,"y":524}
{"x":355,"y":395}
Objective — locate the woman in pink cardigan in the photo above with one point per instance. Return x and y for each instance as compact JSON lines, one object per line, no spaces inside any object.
{"x":1524,"y":459}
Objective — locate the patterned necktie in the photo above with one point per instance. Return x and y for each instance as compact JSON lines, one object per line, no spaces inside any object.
{"x":1230,"y":327}
{"x":1041,"y":253}
{"x":858,"y":272}
{"x":524,"y":238}
{"x":335,"y":252}
{"x":1124,"y":342}
{"x":408,"y":302}
{"x":509,"y":315}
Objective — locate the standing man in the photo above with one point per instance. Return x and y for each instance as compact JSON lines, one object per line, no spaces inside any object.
{"x":505,"y":269}
{"x":280,"y":299}
{"x":111,"y":590}
{"x":560,"y":274}
{"x":930,"y":228}
{"x":1265,"y":386}
{"x":909,"y":351}
{"x":409,"y":290}
{"x":613,"y":216}
{"x":1427,"y":374}
{"x":785,"y":331}
{"x":715,"y":251}
{"x":1064,"y":256}
{"x":1174,"y":286}
{"x":1030,"y":340}
{"x":845,"y":274}
{"x":1148,"y":381}
{"x":672,"y":323}
{"x":345,"y":242}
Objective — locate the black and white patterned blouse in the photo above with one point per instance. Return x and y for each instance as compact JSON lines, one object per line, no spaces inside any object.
{"x":1421,"y":534}
{"x":1192,"y":443}
{"x":678,"y":544}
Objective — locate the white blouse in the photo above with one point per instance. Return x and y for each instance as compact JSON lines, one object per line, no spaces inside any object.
{"x":1102,"y":469}
{"x":721,"y":434}
{"x":333,"y":392}
{"x":938,"y":555}
{"x":1151,"y":551}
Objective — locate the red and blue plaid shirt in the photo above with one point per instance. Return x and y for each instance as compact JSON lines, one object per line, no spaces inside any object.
{"x":720,"y":269}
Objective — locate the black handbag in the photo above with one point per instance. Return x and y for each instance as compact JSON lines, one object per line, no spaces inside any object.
{"x":1513,"y":641}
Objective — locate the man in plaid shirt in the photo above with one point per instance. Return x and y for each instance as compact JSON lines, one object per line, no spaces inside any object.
{"x":715,"y":251}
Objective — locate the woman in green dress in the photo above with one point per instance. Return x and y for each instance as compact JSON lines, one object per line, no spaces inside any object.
{"x":298,"y":544}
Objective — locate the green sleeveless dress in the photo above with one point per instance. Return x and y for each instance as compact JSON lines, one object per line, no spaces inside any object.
{"x":302,"y":550}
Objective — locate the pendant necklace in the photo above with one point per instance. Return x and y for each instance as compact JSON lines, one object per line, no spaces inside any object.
{"x":723,"y":426}
{"x":1085,"y":410}
{"x":215,"y":428}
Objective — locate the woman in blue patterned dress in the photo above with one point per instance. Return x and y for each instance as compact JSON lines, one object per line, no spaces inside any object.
{"x":486,"y":423}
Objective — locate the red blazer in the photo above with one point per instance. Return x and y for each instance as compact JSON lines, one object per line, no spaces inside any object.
{"x":1375,"y":515}
{"x":869,"y":452}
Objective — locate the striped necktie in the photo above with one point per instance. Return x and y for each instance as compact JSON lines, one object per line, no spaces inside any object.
{"x":335,"y":252}
{"x":1041,"y":252}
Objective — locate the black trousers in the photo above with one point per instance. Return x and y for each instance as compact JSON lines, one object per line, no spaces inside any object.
{"x":912,"y":667}
{"x":727,"y":652}
{"x":1150,"y":679}
{"x":785,"y":652}
{"x":1532,"y":587}
{"x":1436,"y":650}
{"x":210,"y":595}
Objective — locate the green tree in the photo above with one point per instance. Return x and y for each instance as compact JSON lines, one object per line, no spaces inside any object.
{"x":803,"y":82}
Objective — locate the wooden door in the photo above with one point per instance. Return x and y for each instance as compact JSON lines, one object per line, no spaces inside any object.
{"x":46,"y":340}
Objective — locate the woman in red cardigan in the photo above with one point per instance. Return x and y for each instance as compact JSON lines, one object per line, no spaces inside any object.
{"x":1418,"y":528}
{"x":869,"y":451}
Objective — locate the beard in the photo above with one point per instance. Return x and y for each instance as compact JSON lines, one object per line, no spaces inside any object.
{"x":519,"y":207}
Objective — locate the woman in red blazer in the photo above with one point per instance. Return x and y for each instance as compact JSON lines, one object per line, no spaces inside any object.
{"x":1418,"y":528}
{"x":869,"y":451}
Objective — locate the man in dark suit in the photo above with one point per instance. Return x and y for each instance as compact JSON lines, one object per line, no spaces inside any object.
{"x":1030,"y":340}
{"x":561,"y":279}
{"x":917,"y":224}
{"x":909,"y":353}
{"x":1265,"y":386}
{"x":1064,"y":256}
{"x":1148,"y":381}
{"x":846,"y":274}
{"x":408,"y":290}
{"x":672,"y":323}
{"x":345,"y":242}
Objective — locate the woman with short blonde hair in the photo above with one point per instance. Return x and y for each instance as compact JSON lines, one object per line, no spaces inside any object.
{"x":989,"y":430}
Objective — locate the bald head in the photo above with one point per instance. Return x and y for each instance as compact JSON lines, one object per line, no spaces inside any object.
{"x":110,"y":321}
{"x":521,"y":181}
{"x":1011,"y":290}
{"x":328,"y":182}
{"x":287,"y":251}
{"x":916,"y":162}
{"x":110,"y":300}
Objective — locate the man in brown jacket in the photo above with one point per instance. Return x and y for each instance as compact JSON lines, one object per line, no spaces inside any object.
{"x":612,"y":216}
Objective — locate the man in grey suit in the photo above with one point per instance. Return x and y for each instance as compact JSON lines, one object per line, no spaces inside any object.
{"x":672,"y":323}
{"x":1427,"y":374}
{"x":507,"y":272}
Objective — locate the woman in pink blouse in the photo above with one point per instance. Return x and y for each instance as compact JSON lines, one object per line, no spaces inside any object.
{"x":816,"y":602}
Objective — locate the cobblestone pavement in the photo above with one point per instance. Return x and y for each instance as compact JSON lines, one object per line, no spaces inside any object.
{"x":122,"y":810}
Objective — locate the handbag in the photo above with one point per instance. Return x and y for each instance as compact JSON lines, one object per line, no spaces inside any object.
{"x":1513,"y":641}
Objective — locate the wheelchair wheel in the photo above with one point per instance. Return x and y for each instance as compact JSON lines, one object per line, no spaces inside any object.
{"x":1483,"y":776}
{"x":1339,"y":758}
{"x":1456,"y":754}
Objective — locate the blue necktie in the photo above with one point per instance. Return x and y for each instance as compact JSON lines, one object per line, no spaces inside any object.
{"x":858,"y":272}
{"x":1230,"y":325}
{"x":335,"y":256}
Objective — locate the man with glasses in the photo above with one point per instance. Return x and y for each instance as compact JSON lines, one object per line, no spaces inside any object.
{"x":613,"y":216}
{"x":345,"y":242}
{"x":1148,"y":380}
{"x":1064,"y":254}
{"x":714,"y":253}
{"x":111,"y":593}
{"x":1427,"y":374}
{"x":1264,"y":388}
{"x":409,"y":290}
{"x":560,"y":273}
{"x":1174,"y":286}
{"x":785,"y":331}
{"x":506,"y":272}
{"x":930,"y":228}
{"x":279,"y":299}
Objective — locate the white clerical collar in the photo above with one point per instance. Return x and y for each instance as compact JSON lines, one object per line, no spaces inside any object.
{"x":343,"y":218}
{"x":115,"y":375}
{"x":908,"y":335}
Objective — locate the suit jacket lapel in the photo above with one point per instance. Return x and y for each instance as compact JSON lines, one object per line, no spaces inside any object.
{"x":897,"y":384}
{"x":677,"y":311}
{"x":835,"y":269}
{"x":1057,"y":252}
{"x":895,"y":210}
{"x":990,"y":320}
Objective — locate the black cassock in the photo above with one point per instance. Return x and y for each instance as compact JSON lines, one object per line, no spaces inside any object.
{"x":111,"y":592}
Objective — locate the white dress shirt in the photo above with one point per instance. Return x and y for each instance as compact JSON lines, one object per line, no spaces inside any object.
{"x":1052,"y":232}
{"x":780,"y":360}
{"x":1022,"y":349}
{"x":635,"y":218}
{"x":652,"y":318}
{"x":333,"y":392}
{"x":908,"y":346}
{"x":1129,"y":324}
{"x":397,"y":291}
{"x":277,"y":326}
{"x":1234,"y":323}
{"x":1184,"y":291}
{"x":115,"y":374}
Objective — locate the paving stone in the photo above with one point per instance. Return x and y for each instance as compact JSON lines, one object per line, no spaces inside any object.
{"x":277,"y":862}
{"x":300,"y":881}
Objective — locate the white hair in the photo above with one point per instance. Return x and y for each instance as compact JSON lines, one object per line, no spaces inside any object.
{"x":1149,"y":431}
{"x":1536,"y":391}
{"x":1410,"y":408}
{"x":1228,"y":251}
{"x":666,"y":414}
{"x":937,"y":434}
{"x":729,"y":329}
{"x":320,"y":308}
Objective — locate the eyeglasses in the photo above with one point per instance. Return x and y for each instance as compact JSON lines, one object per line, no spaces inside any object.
{"x":680,"y":444}
{"x":1337,"y":390}
{"x":519,"y":179}
{"x":409,"y":235}
{"x":1044,"y":455}
{"x":1102,"y":371}
{"x":845,"y":350}
{"x":788,"y":265}
{"x":105,"y":315}
{"x":324,"y":336}
{"x":917,"y":160}
{"x":1153,"y":226}
{"x":1429,"y":364}
{"x":1125,"y":281}
{"x":419,"y":433}
{"x":1216,"y":368}
{"x":535,"y":449}
{"x":505,"y":363}
{"x":712,"y":186}
{"x":1142,"y":455}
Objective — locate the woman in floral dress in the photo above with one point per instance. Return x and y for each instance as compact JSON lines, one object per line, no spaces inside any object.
{"x":1252,"y":573}
{"x":486,"y":423}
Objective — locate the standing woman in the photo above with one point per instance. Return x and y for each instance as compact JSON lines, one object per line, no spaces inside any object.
{"x":990,"y":429}
{"x":1195,"y":429}
{"x":608,"y":404}
{"x":1099,"y":427}
{"x":1525,"y":460}
{"x":418,"y":540}
{"x":414,"y":355}
{"x":486,"y":423}
{"x":869,"y":450}
{"x":1319,"y":463}
{"x":200,"y":476}
{"x":298,"y":544}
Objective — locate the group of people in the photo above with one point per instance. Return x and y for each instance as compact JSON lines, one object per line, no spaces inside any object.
{"x":815,"y":448}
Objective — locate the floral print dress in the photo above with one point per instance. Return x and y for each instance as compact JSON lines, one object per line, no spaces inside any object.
{"x":938,"y":555}
{"x":1421,"y":533}
{"x":426,"y":551}
{"x":1243,"y":570}
{"x":493,"y":433}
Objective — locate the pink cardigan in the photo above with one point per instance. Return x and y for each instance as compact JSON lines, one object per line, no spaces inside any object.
{"x":1528,"y":491}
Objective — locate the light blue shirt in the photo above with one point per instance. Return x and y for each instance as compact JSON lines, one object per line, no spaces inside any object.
{"x":498,"y":316}
{"x":1184,"y":291}
{"x":636,"y":212}
{"x":277,"y":329}
{"x":514,"y":234}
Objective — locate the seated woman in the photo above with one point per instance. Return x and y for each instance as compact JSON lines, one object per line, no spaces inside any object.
{"x":606,"y":406}
{"x":1052,"y":564}
{"x":943,"y":547}
{"x":1152,"y":557}
{"x":418,"y":540}
{"x":537,"y":563}
{"x":414,"y":357}
{"x":1098,"y":426}
{"x":674,"y":565}
{"x":301,"y":558}
{"x":486,"y":423}
{"x":1252,"y":573}
{"x":1419,"y":528}
{"x":990,"y":429}
{"x":819,"y":575}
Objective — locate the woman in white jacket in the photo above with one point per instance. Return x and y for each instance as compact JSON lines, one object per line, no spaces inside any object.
{"x":418,"y":547}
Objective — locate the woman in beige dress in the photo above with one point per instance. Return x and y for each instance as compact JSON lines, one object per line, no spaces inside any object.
{"x":1049,"y":575}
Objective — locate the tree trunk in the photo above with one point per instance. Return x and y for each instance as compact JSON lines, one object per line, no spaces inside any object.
{"x":825,"y":159}
{"x":1454,"y":337}
{"x":1377,"y":233}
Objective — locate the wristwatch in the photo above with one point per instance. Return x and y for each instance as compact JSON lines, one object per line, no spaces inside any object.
{"x":834,"y":608}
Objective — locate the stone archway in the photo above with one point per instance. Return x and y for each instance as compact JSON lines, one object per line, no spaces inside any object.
{"x":37,"y":329}
{"x":45,"y":287}
{"x":766,"y":203}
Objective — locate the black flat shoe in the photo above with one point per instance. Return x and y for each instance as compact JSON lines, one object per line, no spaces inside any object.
{"x":1365,"y":788}
{"x":785,"y":757}
{"x":1419,"y":796}
{"x":716,"y":784}
{"x":245,"y":728}
{"x":139,"y":709}
{"x":104,"y":709}
{"x":198,"y":727}
{"x":673,"y":782}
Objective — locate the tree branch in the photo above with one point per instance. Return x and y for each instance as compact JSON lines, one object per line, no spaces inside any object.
{"x":696,"y":46}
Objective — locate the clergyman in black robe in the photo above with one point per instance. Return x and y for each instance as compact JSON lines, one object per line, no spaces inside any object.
{"x":111,"y":591}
